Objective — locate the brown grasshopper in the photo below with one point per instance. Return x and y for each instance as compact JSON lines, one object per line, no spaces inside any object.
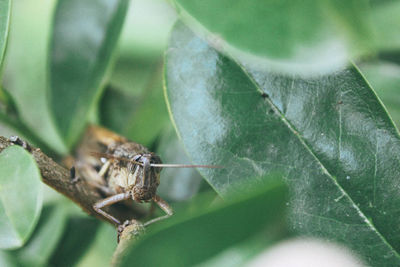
{"x":127,"y":170}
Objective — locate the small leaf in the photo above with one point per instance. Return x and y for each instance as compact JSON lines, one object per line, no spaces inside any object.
{"x":192,"y":237}
{"x":20,"y":196}
{"x":329,"y":135}
{"x":289,"y":36}
{"x":5,"y":7}
{"x":84,"y":38}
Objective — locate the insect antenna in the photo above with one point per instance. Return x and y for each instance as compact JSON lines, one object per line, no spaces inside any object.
{"x":105,"y":155}
{"x":185,"y":166}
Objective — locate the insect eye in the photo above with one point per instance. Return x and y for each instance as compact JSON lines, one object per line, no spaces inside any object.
{"x":137,"y":157}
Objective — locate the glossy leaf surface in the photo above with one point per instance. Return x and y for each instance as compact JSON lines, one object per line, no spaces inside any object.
{"x":330,"y":136}
{"x":289,"y":36}
{"x":5,"y":7}
{"x":20,"y":196}
{"x":84,"y":37}
{"x":194,"y":236}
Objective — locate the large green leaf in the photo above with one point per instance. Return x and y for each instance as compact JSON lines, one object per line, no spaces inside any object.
{"x":20,"y":196}
{"x":330,"y":136}
{"x":290,"y":36}
{"x":194,"y":236}
{"x":5,"y":7}
{"x":84,"y":37}
{"x":25,"y":72}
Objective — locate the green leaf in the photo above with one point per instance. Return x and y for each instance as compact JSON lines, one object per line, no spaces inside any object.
{"x":190,"y":238}
{"x":101,"y":250}
{"x":45,"y":238}
{"x":84,"y":37}
{"x":5,"y":7}
{"x":20,"y":196}
{"x":329,"y":136}
{"x":25,"y":72}
{"x":77,"y":239}
{"x":287,"y":36}
{"x":137,"y":113}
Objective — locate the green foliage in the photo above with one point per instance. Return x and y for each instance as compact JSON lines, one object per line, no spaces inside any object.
{"x":291,"y":36}
{"x":83,"y":39}
{"x":329,"y":136}
{"x":21,"y":196}
{"x":194,"y":236}
{"x":266,"y":87}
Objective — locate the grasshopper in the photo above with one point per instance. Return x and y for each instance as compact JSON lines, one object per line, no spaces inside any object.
{"x":125,"y":170}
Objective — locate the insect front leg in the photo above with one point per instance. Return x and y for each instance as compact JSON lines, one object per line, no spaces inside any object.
{"x":109,"y":201}
{"x":164,"y":206}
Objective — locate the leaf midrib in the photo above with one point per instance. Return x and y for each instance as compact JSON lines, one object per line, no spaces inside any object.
{"x":309,"y":149}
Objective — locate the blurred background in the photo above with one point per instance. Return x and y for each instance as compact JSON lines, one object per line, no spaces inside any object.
{"x":132,"y":105}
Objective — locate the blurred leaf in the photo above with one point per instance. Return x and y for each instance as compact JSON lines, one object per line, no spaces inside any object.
{"x":300,"y":36}
{"x":132,"y":76}
{"x":240,"y":254}
{"x":84,"y":37}
{"x":77,"y":239}
{"x":329,"y":136}
{"x":188,"y":239}
{"x":5,"y":7}
{"x":7,"y":260}
{"x":20,"y":195}
{"x":145,"y":32}
{"x":116,"y":108}
{"x":385,"y":79}
{"x":177,"y":184}
{"x":45,"y":238}
{"x":387,"y":24}
{"x":139,"y":118}
{"x":102,"y":248}
{"x":25,"y":74}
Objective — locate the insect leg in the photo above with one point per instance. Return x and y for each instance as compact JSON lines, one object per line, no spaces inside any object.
{"x":164,"y":206}
{"x":109,"y":201}
{"x":104,"y":168}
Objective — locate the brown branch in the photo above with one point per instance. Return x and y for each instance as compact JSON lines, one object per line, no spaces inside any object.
{"x":79,"y":191}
